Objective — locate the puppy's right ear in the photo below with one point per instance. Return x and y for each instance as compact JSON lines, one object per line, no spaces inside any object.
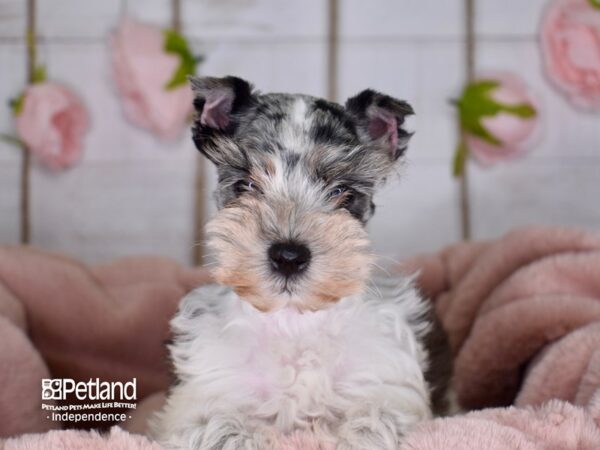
{"x":219,"y":102}
{"x":381,"y":121}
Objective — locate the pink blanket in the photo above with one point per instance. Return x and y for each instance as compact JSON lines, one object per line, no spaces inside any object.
{"x":512,"y":308}
{"x":522,"y":312}
{"x":60,"y":317}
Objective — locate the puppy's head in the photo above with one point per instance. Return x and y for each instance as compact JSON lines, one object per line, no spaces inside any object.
{"x":296,"y":180}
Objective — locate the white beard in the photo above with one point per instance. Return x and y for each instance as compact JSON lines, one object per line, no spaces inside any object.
{"x":352,"y":374}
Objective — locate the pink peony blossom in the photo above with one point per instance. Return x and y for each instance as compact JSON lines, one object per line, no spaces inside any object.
{"x":571,"y":46}
{"x":142,"y":69}
{"x":516,"y":134}
{"x":52,"y":123}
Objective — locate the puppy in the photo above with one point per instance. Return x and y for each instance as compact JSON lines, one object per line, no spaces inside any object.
{"x":297,"y":336}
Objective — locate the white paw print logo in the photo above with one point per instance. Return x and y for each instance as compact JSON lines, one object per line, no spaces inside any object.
{"x":51,"y":389}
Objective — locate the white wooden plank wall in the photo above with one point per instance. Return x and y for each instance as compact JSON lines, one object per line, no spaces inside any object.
{"x":132,"y":194}
{"x":12,"y":74}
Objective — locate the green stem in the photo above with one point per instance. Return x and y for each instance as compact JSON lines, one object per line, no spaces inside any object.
{"x":461,"y":156}
{"x":13,"y":140}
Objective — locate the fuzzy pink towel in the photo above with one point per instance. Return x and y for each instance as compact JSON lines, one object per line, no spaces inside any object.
{"x":556,"y":425}
{"x":63,"y":319}
{"x":116,"y":439}
{"x":517,"y":312}
{"x":522,"y":313}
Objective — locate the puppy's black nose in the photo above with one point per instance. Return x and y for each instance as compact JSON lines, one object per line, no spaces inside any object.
{"x":289,"y":258}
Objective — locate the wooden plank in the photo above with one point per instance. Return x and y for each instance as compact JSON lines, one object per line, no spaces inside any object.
{"x":273,"y":67}
{"x":409,"y":19}
{"x":9,"y":202}
{"x":76,"y":19}
{"x":427,"y":75}
{"x":108,"y":209}
{"x":533,"y":192}
{"x":254,"y":19}
{"x":209,"y":20}
{"x":418,"y":214}
{"x":72,"y":20}
{"x":12,"y":19}
{"x":12,"y":55}
{"x":509,"y":18}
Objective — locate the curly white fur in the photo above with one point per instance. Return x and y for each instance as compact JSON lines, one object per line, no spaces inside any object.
{"x":352,"y":373}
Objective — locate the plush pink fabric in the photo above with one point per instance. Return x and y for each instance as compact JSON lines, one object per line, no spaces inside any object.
{"x":523,"y":318}
{"x":116,"y":439}
{"x":72,"y":321}
{"x":472,"y":271}
{"x":576,"y":358}
{"x":522,"y":312}
{"x":20,"y":372}
{"x":556,"y":425}
{"x":508,"y":301}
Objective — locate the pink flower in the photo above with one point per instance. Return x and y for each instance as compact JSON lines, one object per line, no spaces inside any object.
{"x":515,"y":133}
{"x":571,"y":46}
{"x":52,"y":123}
{"x":142,"y":69}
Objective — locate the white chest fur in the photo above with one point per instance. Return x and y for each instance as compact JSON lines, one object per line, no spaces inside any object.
{"x":322,"y":371}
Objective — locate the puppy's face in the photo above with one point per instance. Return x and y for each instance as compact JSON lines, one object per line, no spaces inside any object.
{"x":296,"y":180}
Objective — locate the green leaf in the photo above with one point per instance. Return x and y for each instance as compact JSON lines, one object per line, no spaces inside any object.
{"x":180,"y":76}
{"x":477,"y":103}
{"x":595,"y":3}
{"x":16,"y":104}
{"x":13,"y":140}
{"x":461,"y":155}
{"x":39,"y":75}
{"x":177,"y":44}
{"x":523,"y":111}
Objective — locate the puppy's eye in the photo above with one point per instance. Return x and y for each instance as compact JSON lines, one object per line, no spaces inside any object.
{"x":243,"y":186}
{"x":343,"y":196}
{"x":338,"y":191}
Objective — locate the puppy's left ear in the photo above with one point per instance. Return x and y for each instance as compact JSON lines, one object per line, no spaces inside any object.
{"x":381,"y":121}
{"x":218,"y":100}
{"x":220,"y":105}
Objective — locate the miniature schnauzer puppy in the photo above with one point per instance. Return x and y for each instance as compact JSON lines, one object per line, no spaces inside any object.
{"x":297,"y":336}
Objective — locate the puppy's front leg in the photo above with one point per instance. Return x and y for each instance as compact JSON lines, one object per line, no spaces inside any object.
{"x":366,"y":431}
{"x":380,"y":426}
{"x":229,"y":433}
{"x":219,"y":433}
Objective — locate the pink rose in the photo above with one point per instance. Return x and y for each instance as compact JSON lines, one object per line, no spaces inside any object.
{"x":571,"y":47}
{"x":52,"y":123}
{"x":515,"y":133}
{"x":142,"y":69}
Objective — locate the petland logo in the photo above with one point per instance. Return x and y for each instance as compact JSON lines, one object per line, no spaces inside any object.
{"x":94,"y":389}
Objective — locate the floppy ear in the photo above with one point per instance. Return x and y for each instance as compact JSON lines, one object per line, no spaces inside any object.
{"x":219,"y":103}
{"x":381,"y":121}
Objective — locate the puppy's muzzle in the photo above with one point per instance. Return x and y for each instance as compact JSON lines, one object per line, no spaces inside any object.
{"x":289,"y":258}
